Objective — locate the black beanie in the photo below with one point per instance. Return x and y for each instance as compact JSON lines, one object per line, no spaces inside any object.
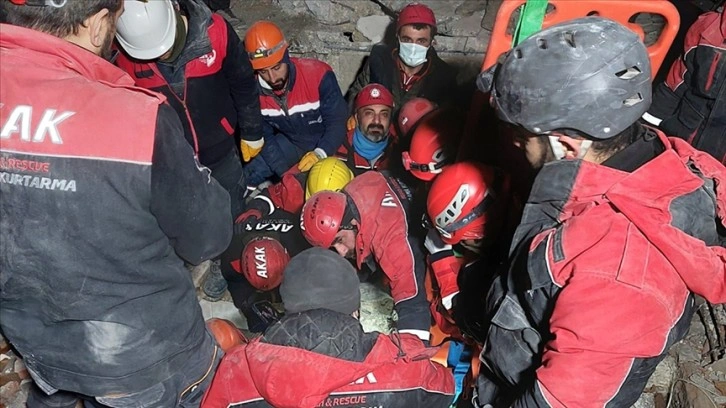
{"x":318,"y":278}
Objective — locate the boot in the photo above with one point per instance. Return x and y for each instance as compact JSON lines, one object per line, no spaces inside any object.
{"x":214,"y":284}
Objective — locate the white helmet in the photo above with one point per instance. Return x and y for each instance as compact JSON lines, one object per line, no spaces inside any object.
{"x":146,"y":29}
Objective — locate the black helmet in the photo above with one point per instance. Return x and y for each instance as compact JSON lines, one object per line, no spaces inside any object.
{"x":590,"y":74}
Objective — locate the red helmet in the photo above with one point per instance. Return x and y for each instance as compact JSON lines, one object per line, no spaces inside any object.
{"x":411,"y":112}
{"x":373,"y":94}
{"x":460,"y":200}
{"x":415,"y":13}
{"x":262,"y":261}
{"x":433,"y":144}
{"x":321,"y":217}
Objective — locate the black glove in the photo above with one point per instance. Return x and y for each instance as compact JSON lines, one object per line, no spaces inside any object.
{"x":260,"y":315}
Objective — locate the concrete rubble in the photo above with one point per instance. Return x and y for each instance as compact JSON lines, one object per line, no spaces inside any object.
{"x":342,"y":32}
{"x":686,"y":378}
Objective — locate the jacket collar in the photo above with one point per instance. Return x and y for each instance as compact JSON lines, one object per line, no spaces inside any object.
{"x":199,"y":18}
{"x":563,"y":188}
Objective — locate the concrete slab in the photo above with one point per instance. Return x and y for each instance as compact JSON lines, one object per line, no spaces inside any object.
{"x":223,"y":310}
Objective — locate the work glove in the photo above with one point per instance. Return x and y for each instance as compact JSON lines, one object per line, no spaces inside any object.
{"x":250,"y":149}
{"x":260,"y":315}
{"x":246,"y":218}
{"x":310,"y":158}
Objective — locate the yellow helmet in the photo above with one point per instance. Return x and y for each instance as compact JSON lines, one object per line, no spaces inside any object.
{"x":329,"y":174}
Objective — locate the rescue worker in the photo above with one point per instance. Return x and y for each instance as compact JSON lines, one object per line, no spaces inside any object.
{"x":620,"y":230}
{"x":96,"y":219}
{"x":253,"y":265}
{"x":411,"y":68}
{"x":368,"y":222}
{"x":303,"y":109}
{"x":275,"y":214}
{"x":290,"y":194}
{"x":371,"y":142}
{"x":433,"y":144}
{"x":432,"y":147}
{"x":691,"y":103}
{"x":319,"y":355}
{"x":468,"y":207}
{"x":195,"y":58}
{"x":470,"y":213}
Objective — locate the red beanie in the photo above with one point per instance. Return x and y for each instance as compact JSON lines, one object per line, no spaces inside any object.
{"x":415,"y":13}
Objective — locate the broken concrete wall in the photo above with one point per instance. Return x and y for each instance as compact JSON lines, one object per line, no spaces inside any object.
{"x":342,"y":32}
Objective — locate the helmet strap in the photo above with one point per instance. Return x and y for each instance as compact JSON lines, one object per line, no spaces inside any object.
{"x":351,"y":213}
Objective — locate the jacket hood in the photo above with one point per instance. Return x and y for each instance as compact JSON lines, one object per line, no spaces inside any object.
{"x":688,"y":238}
{"x":51,"y":50}
{"x":319,"y":350}
{"x":673,"y":217}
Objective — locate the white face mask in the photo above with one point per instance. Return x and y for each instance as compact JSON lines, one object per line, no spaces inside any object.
{"x":559,"y":150}
{"x":412,"y":54}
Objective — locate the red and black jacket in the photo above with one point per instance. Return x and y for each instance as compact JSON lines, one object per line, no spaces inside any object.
{"x":212,"y":87}
{"x":321,"y":358}
{"x":604,"y":266}
{"x":384,"y":238}
{"x":691,"y":103}
{"x":96,"y":180}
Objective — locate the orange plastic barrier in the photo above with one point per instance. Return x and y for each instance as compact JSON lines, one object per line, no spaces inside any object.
{"x":619,"y":10}
{"x":622,"y":11}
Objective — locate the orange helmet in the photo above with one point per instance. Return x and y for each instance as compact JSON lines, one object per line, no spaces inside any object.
{"x":226,"y":333}
{"x":265,"y":44}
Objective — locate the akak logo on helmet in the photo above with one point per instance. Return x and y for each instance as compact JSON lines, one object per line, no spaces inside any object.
{"x":261,"y":262}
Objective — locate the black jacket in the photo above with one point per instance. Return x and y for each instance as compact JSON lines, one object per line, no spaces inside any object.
{"x":437,"y":83}
{"x":211,"y":85}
